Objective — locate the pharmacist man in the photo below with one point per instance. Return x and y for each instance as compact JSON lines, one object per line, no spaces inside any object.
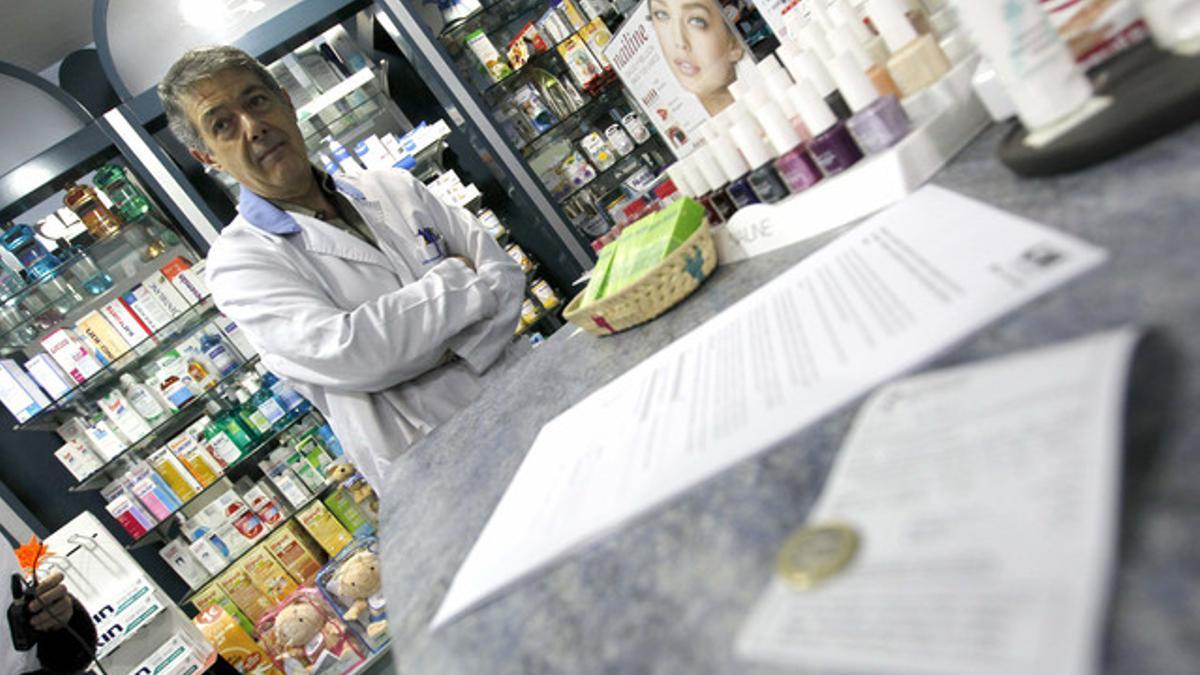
{"x":378,"y":302}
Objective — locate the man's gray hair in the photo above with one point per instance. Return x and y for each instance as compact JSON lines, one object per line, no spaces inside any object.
{"x":197,"y":65}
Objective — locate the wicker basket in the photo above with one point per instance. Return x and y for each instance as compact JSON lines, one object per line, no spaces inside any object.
{"x":660,"y":289}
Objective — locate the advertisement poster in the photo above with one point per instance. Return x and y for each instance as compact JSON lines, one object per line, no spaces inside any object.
{"x":678,"y":58}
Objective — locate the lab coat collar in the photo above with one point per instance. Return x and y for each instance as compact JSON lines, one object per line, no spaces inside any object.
{"x":267,"y":217}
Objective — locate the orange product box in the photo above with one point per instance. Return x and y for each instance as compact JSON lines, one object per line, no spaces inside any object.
{"x":241,"y":589}
{"x":267,"y":574}
{"x":233,"y":643}
{"x":301,"y":558}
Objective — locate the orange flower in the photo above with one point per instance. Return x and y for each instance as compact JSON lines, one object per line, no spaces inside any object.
{"x":29,"y":553}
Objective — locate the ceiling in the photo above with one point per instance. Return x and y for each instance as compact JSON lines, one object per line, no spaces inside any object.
{"x":37,"y":34}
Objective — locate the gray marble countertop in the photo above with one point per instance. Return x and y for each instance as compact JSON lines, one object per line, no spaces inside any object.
{"x":668,"y":592}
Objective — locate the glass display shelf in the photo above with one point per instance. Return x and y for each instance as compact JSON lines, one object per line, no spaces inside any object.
{"x":609,"y":94}
{"x":178,"y":329}
{"x":622,"y":163}
{"x":234,"y":560}
{"x":90,"y":246}
{"x":354,"y":120}
{"x":516,"y":77}
{"x":157,"y":533}
{"x":372,"y":659}
{"x":489,"y":17}
{"x":168,"y":428}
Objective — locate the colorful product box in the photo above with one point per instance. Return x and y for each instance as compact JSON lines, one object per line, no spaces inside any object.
{"x":271,"y":578}
{"x":151,"y":495}
{"x":125,"y":322}
{"x":174,"y":657}
{"x":212,"y":596}
{"x":195,"y":458}
{"x":320,"y":523}
{"x":181,"y":559}
{"x":207,"y":555}
{"x":299,"y":555}
{"x":164,"y":291}
{"x":175,"y":474}
{"x":130,"y":515}
{"x":19,"y":393}
{"x":343,"y":507}
{"x":241,"y":589}
{"x":49,"y":376}
{"x":147,"y":307}
{"x":71,"y":354}
{"x":233,"y":642}
{"x":186,"y":281}
{"x":78,"y":459}
{"x":101,"y":335}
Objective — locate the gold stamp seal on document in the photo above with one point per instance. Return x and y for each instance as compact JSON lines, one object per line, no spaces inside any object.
{"x":816,"y":552}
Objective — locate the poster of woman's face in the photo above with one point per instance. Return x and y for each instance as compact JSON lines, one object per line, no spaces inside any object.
{"x":699,"y":47}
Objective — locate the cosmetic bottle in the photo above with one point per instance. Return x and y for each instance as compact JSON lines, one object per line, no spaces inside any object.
{"x":716,"y":197}
{"x":249,"y":415}
{"x":1031,"y":60}
{"x":777,"y":82}
{"x":735,"y":168}
{"x":878,"y":75}
{"x":795,"y":166}
{"x":879,"y":122}
{"x":846,"y":20}
{"x":1174,"y":24}
{"x":832,"y":145}
{"x":916,"y":61}
{"x":768,"y":186}
{"x":142,"y":400}
{"x":695,"y":186}
{"x":803,"y":65}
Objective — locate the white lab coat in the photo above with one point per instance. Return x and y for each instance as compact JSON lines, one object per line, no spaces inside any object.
{"x":360,"y":331}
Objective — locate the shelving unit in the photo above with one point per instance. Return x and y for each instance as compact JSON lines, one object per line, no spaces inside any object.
{"x":549,"y":150}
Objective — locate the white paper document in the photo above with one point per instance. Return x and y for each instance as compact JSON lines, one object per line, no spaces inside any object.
{"x":885,"y":297}
{"x":985,"y":497}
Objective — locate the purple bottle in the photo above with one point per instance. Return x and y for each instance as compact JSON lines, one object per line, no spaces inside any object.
{"x":793,"y":164}
{"x":832,"y":145}
{"x":878,"y":122}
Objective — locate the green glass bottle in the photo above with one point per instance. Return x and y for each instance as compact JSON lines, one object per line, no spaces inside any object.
{"x":128,"y":201}
{"x":254,"y":421}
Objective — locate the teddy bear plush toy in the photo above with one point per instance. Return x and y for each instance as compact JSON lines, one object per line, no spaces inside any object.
{"x":356,"y":484}
{"x":358,"y":584}
{"x":302,"y":630}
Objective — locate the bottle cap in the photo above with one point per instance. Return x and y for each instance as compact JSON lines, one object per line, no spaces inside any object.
{"x":817,"y":11}
{"x":888,"y":16}
{"x":777,"y":85}
{"x":695,"y":179}
{"x":780,"y":133}
{"x":769,"y":65}
{"x":844,"y":42}
{"x":738,"y":89}
{"x":728,"y":158}
{"x":856,"y":88}
{"x":706,"y":162}
{"x":812,"y":108}
{"x":677,"y":177}
{"x":813,"y":37}
{"x":811,"y":69}
{"x":845,"y":18}
{"x":749,"y":140}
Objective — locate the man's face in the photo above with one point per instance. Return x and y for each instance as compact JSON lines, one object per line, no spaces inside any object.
{"x":251,"y":134}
